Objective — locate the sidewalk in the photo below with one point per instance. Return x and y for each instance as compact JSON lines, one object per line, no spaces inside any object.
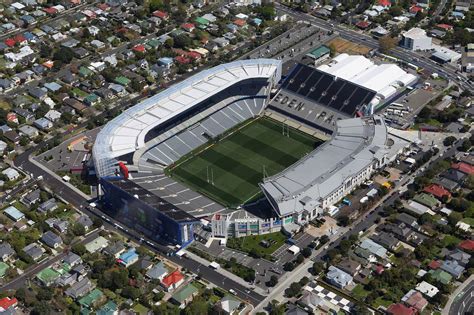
{"x":224,"y":272}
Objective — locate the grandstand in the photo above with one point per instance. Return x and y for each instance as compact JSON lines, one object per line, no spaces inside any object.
{"x":307,"y":188}
{"x":175,"y":109}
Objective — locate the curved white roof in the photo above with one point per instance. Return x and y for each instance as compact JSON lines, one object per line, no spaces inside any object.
{"x":126,"y":133}
{"x":383,"y":79}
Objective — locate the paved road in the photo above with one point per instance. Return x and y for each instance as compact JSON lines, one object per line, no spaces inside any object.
{"x":19,"y":282}
{"x":398,"y":52}
{"x":462,"y":300}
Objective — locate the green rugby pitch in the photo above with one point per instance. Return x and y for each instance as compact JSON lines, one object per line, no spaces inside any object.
{"x":236,"y":163}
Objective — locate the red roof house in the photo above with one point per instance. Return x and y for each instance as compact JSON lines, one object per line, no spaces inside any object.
{"x":7,"y":302}
{"x":194,"y":55}
{"x":19,"y":38}
{"x":10,"y":42}
{"x":434,"y":264}
{"x":139,"y":48}
{"x":50,"y":11}
{"x":173,"y":280}
{"x":467,"y":245}
{"x":188,"y":27}
{"x":417,"y":301}
{"x":445,"y":27}
{"x":463,"y":167}
{"x":363,"y":24}
{"x":182,"y":60}
{"x":162,"y":15}
{"x":437,"y":191}
{"x":103,"y":6}
{"x":384,"y":3}
{"x":240,"y":22}
{"x":12,"y":118}
{"x":415,"y":9}
{"x":400,"y":309}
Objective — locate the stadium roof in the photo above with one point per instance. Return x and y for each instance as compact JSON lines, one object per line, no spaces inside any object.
{"x":354,"y":146}
{"x":382,"y":79}
{"x":126,"y":133}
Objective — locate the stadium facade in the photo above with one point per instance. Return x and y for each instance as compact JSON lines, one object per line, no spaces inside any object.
{"x":159,"y":131}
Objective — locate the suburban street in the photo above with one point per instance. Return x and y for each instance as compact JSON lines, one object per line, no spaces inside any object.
{"x":462,"y":300}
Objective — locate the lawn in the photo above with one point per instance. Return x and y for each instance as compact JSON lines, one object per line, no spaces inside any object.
{"x":469,"y":221}
{"x":230,"y":170}
{"x":252,"y":243}
{"x":381,"y":302}
{"x":359,"y":292}
{"x":140,"y":309}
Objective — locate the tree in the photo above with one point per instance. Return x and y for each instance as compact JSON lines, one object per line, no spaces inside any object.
{"x":306,"y":252}
{"x":454,"y":218}
{"x":317,"y":268}
{"x":64,"y":55}
{"x":78,"y":229}
{"x":448,"y":141}
{"x":466,"y":145}
{"x":387,"y":43}
{"x":44,"y":294}
{"x":343,"y":220}
{"x":293,"y":290}
{"x":332,"y":49}
{"x":41,"y":308}
{"x":324,"y":239}
{"x":79,"y":249}
{"x":130,"y":292}
{"x":360,"y":309}
{"x":273,"y":281}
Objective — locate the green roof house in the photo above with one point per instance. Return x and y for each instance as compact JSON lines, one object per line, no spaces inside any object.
{"x":91,"y":99}
{"x":229,"y":304}
{"x":441,"y":276}
{"x":153,"y":43}
{"x":91,"y":299}
{"x":3,"y":269}
{"x":85,"y":72}
{"x":110,"y":308}
{"x":185,"y":295}
{"x":427,"y":200}
{"x":47,"y":276}
{"x":122,"y":80}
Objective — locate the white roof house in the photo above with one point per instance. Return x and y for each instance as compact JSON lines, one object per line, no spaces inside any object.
{"x":427,"y":289}
{"x":338,"y":277}
{"x":376,"y":249}
{"x":126,"y":133}
{"x":11,"y":173}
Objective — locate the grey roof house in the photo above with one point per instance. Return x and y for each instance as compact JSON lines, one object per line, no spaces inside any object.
{"x":48,"y":205}
{"x":34,"y":251}
{"x":6,"y":251}
{"x":338,"y":277}
{"x":79,"y":288}
{"x":51,"y":239}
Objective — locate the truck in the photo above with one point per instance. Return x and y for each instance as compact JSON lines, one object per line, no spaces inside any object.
{"x":214,"y":265}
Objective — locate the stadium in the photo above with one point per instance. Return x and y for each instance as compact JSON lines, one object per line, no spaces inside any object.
{"x":234,"y":135}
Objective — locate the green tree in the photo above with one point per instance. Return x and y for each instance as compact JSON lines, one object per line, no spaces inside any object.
{"x":317,"y":268}
{"x":130,"y":292}
{"x":387,"y":43}
{"x":79,"y":249}
{"x":78,"y":229}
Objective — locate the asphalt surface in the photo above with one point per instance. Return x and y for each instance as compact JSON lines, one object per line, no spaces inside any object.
{"x":464,"y":302}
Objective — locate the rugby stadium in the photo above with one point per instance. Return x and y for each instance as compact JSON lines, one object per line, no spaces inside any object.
{"x":238,"y":134}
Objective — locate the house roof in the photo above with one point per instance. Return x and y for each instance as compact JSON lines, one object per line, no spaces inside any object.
{"x":417,"y":301}
{"x":467,"y":245}
{"x":441,"y":276}
{"x":172,"y":278}
{"x":434,"y":264}
{"x":384,"y":3}
{"x":426,"y":200}
{"x":14,"y":213}
{"x":400,"y":309}
{"x":185,"y":293}
{"x":157,"y":271}
{"x":437,"y":191}
{"x":7,"y":302}
{"x":463,"y":167}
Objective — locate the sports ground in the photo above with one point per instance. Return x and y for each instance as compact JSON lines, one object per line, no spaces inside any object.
{"x":229,"y":170}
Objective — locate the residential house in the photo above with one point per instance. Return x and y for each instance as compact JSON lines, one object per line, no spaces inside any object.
{"x":48,"y":206}
{"x":128,"y":258}
{"x":350,"y":266}
{"x":79,"y":289}
{"x":85,"y":221}
{"x":184,"y":295}
{"x":338,"y":278}
{"x":31,"y":198}
{"x":387,"y":240}
{"x":12,"y":136}
{"x":115,"y":249}
{"x":415,"y":299}
{"x":427,"y":289}
{"x":28,"y":131}
{"x":51,"y":239}
{"x":43,"y":123}
{"x":458,"y":255}
{"x":438,"y":191}
{"x":440,"y":276}
{"x":453,"y":268}
{"x":34,"y":251}
{"x":228,"y":305}
{"x":463,"y":168}
{"x":157,"y":272}
{"x":8,"y":305}
{"x":6,"y":251}
{"x":13,"y":213}
{"x":172,"y":281}
{"x":11,"y":174}
{"x":467,"y":245}
{"x":400,"y":309}
{"x":52,"y":115}
{"x":98,"y":244}
{"x":376,"y":249}
{"x":408,"y":220}
{"x":72,"y":259}
{"x":454,"y":175}
{"x":427,"y":200}
{"x":37,"y":93}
